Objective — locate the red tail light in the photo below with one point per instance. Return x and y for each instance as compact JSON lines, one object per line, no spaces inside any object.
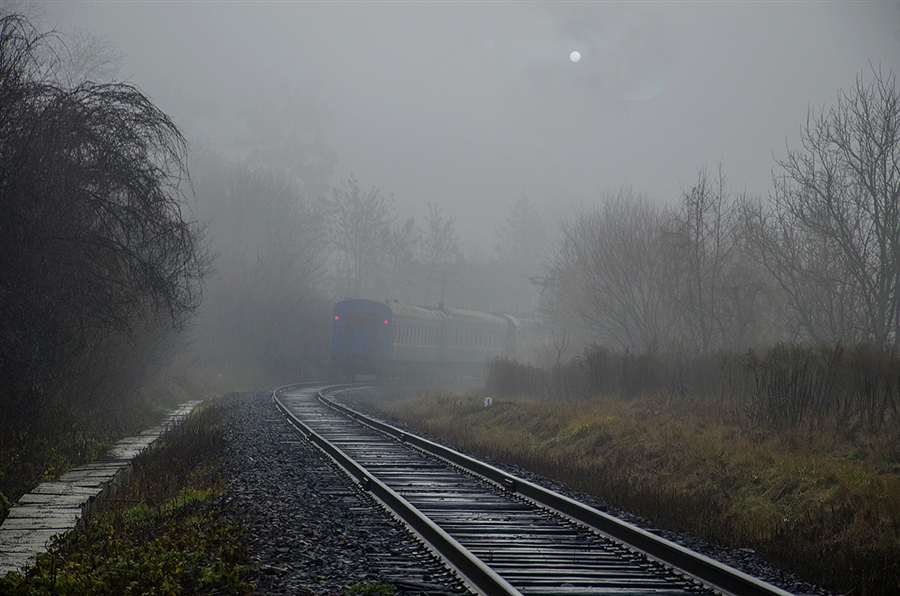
{"x":337,"y":317}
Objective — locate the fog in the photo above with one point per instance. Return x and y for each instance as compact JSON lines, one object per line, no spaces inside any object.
{"x":468,"y":105}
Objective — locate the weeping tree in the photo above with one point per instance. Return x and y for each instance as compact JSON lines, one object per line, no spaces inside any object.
{"x":97,"y":245}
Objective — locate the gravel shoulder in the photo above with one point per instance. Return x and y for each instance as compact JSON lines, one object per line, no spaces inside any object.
{"x":312,"y":530}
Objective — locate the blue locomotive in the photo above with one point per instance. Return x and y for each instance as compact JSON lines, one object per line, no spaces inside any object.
{"x":391,"y":339}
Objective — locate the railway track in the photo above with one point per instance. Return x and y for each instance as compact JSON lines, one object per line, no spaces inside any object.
{"x":502,"y":534}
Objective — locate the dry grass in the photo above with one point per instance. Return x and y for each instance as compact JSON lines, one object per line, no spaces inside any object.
{"x":822,"y":504}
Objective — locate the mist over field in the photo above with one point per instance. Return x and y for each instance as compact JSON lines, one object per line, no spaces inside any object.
{"x":471,"y":104}
{"x":622,"y":171}
{"x":687,"y":211}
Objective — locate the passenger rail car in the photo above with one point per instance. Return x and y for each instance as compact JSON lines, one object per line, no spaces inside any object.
{"x":394,"y":339}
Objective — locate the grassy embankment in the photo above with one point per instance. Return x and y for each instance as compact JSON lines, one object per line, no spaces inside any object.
{"x":158,"y":534}
{"x":58,"y":434}
{"x":821,"y":502}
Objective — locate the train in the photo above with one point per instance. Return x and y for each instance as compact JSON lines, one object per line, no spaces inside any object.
{"x":396,"y":340}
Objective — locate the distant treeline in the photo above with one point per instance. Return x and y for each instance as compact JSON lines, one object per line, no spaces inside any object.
{"x":786,"y":386}
{"x":818,"y":261}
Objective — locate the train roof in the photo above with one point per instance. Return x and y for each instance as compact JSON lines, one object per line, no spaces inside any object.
{"x":363,"y":306}
{"x":420,"y":312}
{"x":473,"y":316}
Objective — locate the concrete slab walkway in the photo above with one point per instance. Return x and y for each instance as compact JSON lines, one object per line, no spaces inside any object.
{"x":56,"y":507}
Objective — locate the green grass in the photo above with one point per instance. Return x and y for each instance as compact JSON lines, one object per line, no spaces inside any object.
{"x":159,"y":534}
{"x":59,"y":435}
{"x":822,"y":504}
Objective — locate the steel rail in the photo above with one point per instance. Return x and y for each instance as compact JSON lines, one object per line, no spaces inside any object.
{"x":714,"y":573}
{"x":478,"y":575}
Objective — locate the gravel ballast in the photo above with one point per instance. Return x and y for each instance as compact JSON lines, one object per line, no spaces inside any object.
{"x":309,"y":527}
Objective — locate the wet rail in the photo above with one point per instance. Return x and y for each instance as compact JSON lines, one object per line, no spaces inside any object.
{"x":501,"y":533}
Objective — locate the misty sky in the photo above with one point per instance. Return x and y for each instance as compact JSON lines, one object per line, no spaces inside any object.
{"x":469,"y":103}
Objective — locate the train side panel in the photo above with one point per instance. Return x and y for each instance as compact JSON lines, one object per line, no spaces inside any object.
{"x":394,"y":339}
{"x":472,"y":337}
{"x":416,"y":333}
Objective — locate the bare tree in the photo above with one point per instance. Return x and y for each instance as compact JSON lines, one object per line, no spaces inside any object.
{"x":608,"y":273}
{"x":288,"y":135}
{"x":522,"y":237}
{"x":401,"y":258}
{"x":362,"y":232}
{"x":441,"y":248}
{"x":704,"y":237}
{"x":831,"y":233}
{"x":87,"y":57}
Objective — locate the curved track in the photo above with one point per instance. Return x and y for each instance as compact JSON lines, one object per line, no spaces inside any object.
{"x":503,"y":534}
